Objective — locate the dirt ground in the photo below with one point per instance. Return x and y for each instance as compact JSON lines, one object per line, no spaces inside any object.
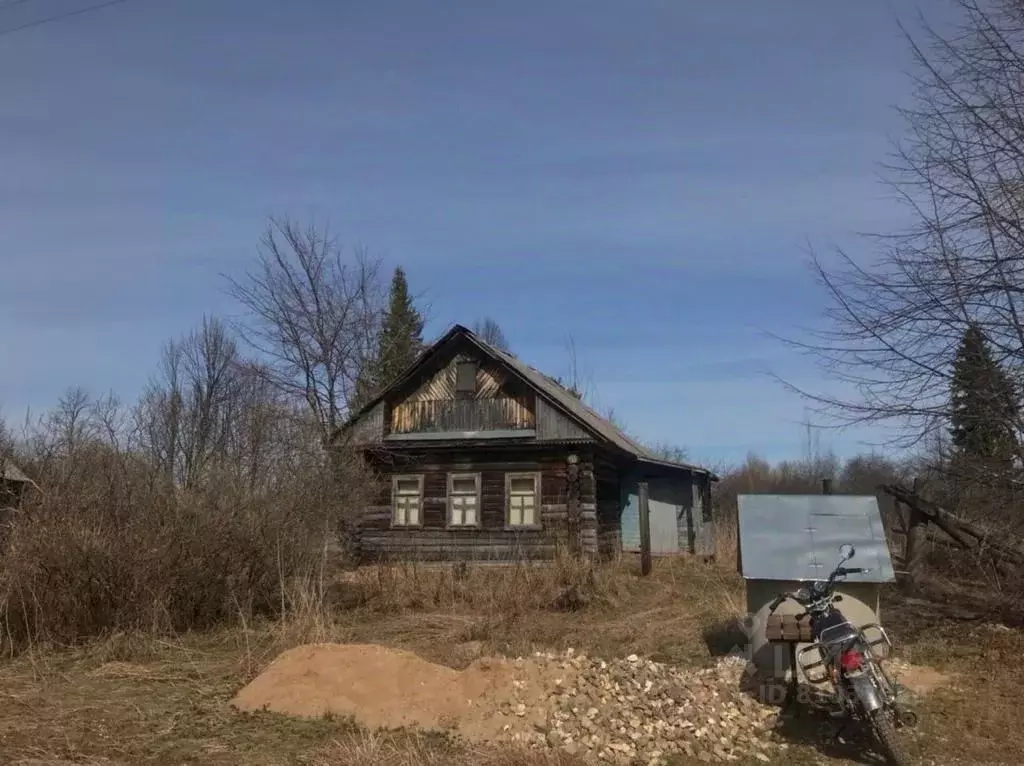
{"x":143,"y":700}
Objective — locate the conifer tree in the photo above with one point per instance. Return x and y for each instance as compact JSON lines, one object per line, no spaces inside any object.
{"x":400,"y":342}
{"x":984,"y":406}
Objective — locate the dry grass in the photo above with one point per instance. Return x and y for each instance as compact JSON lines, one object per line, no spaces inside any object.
{"x":385,"y":749}
{"x":515,"y":608}
{"x":135,"y":698}
{"x":139,"y":699}
{"x":976,"y":718}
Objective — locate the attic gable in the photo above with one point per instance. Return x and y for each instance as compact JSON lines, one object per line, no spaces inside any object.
{"x":462,"y":370}
{"x":463,"y":391}
{"x":558,"y":413}
{"x":501,"y":387}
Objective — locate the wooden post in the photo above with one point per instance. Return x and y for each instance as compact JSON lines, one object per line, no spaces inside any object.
{"x":645,"y":530}
{"x":573,"y":522}
{"x":826,"y":486}
{"x":917,"y":532}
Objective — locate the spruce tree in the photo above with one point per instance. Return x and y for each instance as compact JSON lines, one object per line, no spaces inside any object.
{"x":984,"y":406}
{"x":400,"y":341}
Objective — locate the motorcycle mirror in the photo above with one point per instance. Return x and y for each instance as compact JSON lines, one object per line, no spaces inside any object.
{"x":846,"y":551}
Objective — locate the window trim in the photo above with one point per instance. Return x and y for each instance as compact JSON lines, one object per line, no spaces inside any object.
{"x":453,"y":476}
{"x":536,"y":476}
{"x":395,"y":478}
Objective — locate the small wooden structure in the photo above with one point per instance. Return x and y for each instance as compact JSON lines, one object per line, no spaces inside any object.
{"x":13,"y":484}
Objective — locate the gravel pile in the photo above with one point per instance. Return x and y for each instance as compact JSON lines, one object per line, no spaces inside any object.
{"x":634,"y":711}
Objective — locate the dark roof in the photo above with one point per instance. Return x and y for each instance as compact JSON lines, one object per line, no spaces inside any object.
{"x":550,"y":389}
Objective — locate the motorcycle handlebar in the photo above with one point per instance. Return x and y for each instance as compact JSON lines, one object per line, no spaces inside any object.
{"x":827,"y":591}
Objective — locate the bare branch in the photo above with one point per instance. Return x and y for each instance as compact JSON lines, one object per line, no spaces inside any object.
{"x":892,"y":325}
{"x":313,"y":317}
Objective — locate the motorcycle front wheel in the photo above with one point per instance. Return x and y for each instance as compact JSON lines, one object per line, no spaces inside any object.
{"x":884,"y":731}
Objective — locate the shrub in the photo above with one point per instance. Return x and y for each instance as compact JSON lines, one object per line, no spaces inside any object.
{"x":108,"y":548}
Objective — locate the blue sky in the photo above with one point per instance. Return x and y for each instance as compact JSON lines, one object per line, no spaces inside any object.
{"x":643,"y":176}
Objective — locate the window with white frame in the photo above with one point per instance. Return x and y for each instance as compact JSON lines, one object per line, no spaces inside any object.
{"x":522,"y":492}
{"x":463,"y":499}
{"x":407,"y":501}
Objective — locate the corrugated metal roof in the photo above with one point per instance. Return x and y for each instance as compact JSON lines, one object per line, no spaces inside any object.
{"x":797,"y":537}
{"x":577,"y":407}
{"x":554,"y":390}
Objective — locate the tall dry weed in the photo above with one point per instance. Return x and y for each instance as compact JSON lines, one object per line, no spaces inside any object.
{"x":510,"y":588}
{"x":109,"y":547}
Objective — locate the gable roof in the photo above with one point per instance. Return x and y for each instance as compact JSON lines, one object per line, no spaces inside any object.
{"x":547,"y":387}
{"x":797,"y":537}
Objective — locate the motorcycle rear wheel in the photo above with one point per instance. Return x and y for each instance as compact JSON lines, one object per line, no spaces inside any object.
{"x":885,"y":736}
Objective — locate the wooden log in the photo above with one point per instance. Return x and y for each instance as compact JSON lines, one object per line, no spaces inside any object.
{"x":967,"y":534}
{"x":645,"y":530}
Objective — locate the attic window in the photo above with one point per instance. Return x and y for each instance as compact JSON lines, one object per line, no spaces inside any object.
{"x":465,"y":377}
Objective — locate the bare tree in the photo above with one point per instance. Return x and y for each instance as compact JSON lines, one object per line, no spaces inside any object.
{"x":575,"y":382}
{"x":668,"y":451}
{"x":62,"y":431}
{"x":159,"y":414}
{"x":893,"y":324}
{"x":313,"y":316}
{"x":210,"y":365}
{"x":489,"y":331}
{"x":186,"y":414}
{"x":6,"y":440}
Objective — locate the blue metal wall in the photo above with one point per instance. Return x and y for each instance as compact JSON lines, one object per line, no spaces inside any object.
{"x":675,"y":512}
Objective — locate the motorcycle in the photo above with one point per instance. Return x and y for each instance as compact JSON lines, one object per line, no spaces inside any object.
{"x":846,"y":658}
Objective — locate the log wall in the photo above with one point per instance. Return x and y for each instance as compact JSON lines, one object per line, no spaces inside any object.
{"x":491,"y":540}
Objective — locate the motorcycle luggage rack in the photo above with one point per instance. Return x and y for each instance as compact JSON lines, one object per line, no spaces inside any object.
{"x":806,"y":667}
{"x":883,"y":640}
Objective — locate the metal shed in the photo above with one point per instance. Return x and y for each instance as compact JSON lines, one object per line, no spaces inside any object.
{"x":787,"y":540}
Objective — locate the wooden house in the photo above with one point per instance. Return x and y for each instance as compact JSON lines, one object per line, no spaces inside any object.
{"x":483,"y":457}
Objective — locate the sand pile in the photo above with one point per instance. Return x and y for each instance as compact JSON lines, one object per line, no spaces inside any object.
{"x":390,"y":688}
